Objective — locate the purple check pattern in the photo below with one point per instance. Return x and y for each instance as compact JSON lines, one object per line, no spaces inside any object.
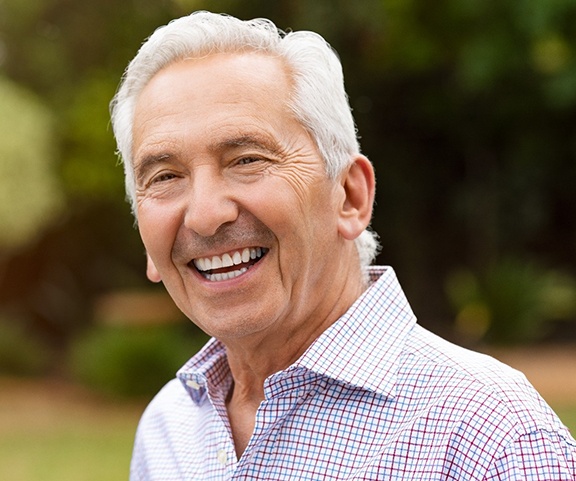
{"x":375,"y":397}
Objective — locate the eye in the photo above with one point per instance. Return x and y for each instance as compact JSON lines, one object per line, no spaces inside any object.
{"x":248,"y":160}
{"x":162,"y":177}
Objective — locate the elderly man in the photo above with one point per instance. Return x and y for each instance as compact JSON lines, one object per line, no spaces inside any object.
{"x":253,"y":202}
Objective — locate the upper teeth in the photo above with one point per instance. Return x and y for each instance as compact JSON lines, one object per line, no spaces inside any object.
{"x":228,"y":260}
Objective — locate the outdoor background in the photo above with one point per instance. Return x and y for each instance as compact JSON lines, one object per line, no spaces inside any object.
{"x":467,"y":108}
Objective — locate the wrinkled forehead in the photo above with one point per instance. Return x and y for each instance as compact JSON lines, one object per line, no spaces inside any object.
{"x":198,"y":97}
{"x":230,"y":76}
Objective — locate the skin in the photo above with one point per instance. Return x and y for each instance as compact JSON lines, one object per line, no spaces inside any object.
{"x":222,"y":164}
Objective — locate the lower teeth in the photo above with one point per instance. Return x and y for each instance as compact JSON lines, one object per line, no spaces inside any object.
{"x":224,"y":276}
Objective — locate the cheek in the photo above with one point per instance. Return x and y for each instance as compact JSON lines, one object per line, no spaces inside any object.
{"x":157,"y":227}
{"x":299,"y":218}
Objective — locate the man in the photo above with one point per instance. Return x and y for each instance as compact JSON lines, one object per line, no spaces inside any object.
{"x":253,"y":203}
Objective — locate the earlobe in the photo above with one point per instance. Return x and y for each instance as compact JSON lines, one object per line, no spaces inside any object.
{"x":151,"y":271}
{"x":358,"y":183}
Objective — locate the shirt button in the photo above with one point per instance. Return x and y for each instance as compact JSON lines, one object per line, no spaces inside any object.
{"x":222,"y":457}
{"x":193,"y":384}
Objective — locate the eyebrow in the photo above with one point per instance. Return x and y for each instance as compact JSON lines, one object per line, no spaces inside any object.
{"x":259,"y":142}
{"x":146,"y":163}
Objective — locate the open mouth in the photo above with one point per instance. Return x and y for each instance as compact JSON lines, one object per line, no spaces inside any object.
{"x":229,"y":265}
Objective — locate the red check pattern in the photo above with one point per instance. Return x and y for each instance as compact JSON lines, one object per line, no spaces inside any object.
{"x":376,"y":397}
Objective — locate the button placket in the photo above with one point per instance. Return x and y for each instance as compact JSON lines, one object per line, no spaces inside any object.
{"x":222,"y":457}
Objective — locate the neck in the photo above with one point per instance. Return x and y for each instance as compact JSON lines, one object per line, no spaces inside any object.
{"x":253,"y":360}
{"x":250,"y":365}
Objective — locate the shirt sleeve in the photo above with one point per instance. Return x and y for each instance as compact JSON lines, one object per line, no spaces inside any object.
{"x":537,"y":456}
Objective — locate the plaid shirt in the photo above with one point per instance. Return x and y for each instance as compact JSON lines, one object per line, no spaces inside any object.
{"x":375,"y":397}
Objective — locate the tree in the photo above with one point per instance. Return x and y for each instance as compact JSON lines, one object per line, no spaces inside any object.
{"x":30,"y":197}
{"x":466,"y":107}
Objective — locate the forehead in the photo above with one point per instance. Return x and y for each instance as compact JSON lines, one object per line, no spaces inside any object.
{"x":222,"y":89}
{"x":219,"y":78}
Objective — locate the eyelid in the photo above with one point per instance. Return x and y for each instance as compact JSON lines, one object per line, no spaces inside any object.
{"x":249,"y":159}
{"x":158,"y":177}
{"x":145,"y":167}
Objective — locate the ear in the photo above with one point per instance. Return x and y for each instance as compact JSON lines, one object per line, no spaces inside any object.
{"x":358,"y":182}
{"x":151,"y":271}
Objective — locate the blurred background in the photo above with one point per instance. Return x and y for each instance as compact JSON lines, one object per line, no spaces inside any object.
{"x":467,"y":108}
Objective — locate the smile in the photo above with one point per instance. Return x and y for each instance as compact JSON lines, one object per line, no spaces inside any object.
{"x":229,"y":265}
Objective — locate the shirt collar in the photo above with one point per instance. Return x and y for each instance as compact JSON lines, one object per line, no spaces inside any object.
{"x":361,"y":348}
{"x":209,"y":367}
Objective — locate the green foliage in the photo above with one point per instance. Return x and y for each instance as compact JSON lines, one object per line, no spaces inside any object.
{"x":29,"y":194}
{"x":513,"y":292}
{"x":466,"y":107}
{"x":90,"y":168}
{"x":21,"y":354}
{"x":131,"y":361}
{"x":510,"y":302}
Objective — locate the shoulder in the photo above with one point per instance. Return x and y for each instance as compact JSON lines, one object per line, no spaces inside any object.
{"x":472,"y":387}
{"x":476,"y":410}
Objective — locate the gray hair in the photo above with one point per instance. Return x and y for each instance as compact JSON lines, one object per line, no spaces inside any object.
{"x":318,"y":101}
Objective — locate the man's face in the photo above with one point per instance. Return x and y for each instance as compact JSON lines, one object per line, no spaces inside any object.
{"x":234,"y":207}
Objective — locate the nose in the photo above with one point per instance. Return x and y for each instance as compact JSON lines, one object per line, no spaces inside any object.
{"x":209,"y":203}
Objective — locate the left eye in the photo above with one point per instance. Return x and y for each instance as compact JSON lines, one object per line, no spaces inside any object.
{"x":248,"y":160}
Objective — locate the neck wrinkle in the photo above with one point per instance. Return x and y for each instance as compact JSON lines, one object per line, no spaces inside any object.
{"x":251,"y":364}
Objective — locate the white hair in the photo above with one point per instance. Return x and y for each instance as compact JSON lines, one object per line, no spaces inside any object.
{"x":318,"y":100}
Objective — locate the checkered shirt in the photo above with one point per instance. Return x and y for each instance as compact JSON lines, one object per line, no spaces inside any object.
{"x":375,"y":397}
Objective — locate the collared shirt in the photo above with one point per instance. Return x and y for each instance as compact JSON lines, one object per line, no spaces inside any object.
{"x":375,"y":397}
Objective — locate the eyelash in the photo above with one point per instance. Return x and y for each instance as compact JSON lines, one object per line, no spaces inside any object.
{"x":248,"y":160}
{"x":163,"y":177}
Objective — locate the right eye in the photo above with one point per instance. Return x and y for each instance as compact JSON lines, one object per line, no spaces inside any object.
{"x":162,"y":177}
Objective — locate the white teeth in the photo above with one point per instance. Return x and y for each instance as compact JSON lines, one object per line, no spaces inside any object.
{"x":227,"y":260}
{"x":216,"y":262}
{"x":200,"y":264}
{"x":224,"y":276}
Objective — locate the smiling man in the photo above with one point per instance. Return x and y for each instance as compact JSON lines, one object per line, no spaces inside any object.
{"x":253,"y":202}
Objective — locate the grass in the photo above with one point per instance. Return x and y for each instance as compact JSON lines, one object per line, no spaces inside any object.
{"x":568,"y":416}
{"x":54,"y":432}
{"x":83,"y":454}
